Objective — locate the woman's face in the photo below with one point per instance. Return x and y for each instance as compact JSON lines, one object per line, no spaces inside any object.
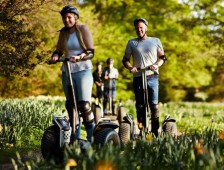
{"x":69,"y":20}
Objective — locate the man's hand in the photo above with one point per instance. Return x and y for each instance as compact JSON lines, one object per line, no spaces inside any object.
{"x":154,"y":67}
{"x":133,"y":70}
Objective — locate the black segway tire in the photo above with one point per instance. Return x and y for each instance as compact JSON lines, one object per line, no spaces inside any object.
{"x":50,"y":148}
{"x":121,"y":114}
{"x":97,"y":114}
{"x":106,"y":136}
{"x":124,"y":132}
{"x":170,"y":128}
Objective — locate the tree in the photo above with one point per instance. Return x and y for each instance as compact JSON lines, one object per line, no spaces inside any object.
{"x":186,"y":32}
{"x":191,"y":33}
{"x":17,"y":41}
{"x":208,"y":15}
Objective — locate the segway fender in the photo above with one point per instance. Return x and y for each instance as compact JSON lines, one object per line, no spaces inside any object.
{"x":102,"y":125}
{"x":171,"y":120}
{"x":169,"y":125}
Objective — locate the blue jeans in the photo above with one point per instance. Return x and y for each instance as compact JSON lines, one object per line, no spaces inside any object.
{"x":107,"y":93}
{"x":82,"y":83}
{"x":153,"y":94}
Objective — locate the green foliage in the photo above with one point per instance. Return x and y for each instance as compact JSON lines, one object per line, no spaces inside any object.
{"x":200,"y":146}
{"x":188,"y":114}
{"x":195,"y":151}
{"x":17,"y":40}
{"x":184,"y":36}
{"x":23,"y":121}
{"x":191,"y":33}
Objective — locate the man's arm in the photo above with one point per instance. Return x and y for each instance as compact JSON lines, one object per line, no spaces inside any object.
{"x":126,"y":62}
{"x":161,"y":58}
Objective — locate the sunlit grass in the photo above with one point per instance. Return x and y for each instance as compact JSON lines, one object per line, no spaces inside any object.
{"x":201,"y":145}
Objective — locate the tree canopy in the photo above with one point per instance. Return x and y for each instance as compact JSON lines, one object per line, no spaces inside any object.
{"x":18,"y":43}
{"x":191,"y":33}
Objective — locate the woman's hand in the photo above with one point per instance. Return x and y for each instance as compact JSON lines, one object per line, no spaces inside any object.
{"x":54,"y":58}
{"x":74,"y":59}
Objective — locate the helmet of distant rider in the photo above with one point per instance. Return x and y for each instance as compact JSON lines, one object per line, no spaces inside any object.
{"x":69,"y":9}
{"x":140,"y":20}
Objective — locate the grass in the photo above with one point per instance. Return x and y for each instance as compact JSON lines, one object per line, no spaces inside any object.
{"x":22,"y":123}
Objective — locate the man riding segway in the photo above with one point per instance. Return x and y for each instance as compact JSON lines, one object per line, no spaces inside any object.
{"x":110,"y":75}
{"x":146,"y":52}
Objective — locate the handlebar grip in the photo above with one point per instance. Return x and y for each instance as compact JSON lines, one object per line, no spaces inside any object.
{"x":50,"y":62}
{"x":148,"y":68}
{"x":61,"y":59}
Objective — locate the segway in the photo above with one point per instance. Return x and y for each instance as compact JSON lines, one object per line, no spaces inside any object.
{"x":110,"y":99}
{"x":97,"y":107}
{"x":57,"y":136}
{"x":113,"y":114}
{"x":169,"y":125}
{"x":127,"y":130}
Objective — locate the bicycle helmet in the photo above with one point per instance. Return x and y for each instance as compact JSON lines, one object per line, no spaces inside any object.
{"x":140,"y":20}
{"x":69,"y":9}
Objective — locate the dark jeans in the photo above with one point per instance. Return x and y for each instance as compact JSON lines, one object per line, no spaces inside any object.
{"x":153,"y":93}
{"x":153,"y":89}
{"x":109,"y":94}
{"x":99,"y":90}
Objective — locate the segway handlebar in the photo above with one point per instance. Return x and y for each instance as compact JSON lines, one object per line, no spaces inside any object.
{"x":60,"y":59}
{"x":148,"y":68}
{"x":142,"y":69}
{"x":71,"y":93}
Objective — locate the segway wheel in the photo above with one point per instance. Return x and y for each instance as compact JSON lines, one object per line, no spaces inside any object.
{"x":121,"y":114}
{"x":125,"y":132}
{"x":106,"y":136}
{"x":50,"y":148}
{"x":98,"y":114}
{"x":170,"y":128}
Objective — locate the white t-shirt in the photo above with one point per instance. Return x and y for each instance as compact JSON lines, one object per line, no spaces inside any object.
{"x":112,"y":74}
{"x":143,"y":52}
